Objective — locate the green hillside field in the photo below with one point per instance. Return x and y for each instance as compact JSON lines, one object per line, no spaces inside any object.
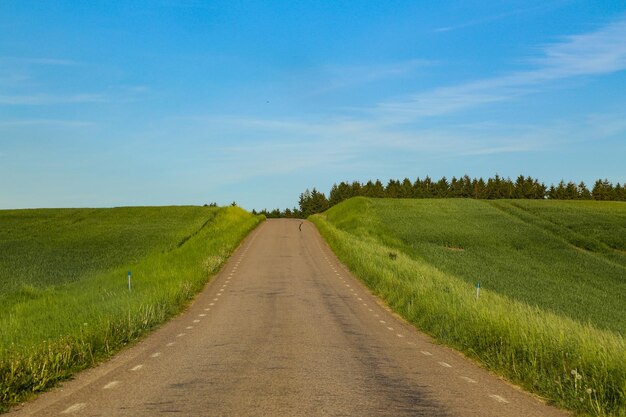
{"x":551,"y":314}
{"x":64,"y":298}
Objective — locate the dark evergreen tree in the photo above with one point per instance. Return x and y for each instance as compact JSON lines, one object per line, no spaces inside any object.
{"x":406,"y":189}
{"x":602,"y":190}
{"x":393,"y":189}
{"x":466,"y":187}
{"x":442,"y":188}
{"x":584,"y":192}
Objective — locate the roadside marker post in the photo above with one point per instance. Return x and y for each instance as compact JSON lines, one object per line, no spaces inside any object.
{"x":128,"y":280}
{"x":477,"y":290}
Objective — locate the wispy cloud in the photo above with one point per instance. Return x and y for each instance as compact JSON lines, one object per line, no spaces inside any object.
{"x":39,"y":61}
{"x":343,"y":76}
{"x":596,"y":53}
{"x":480,"y":21}
{"x":599,"y":52}
{"x":45,"y":122}
{"x":396,"y":124}
{"x":48,"y":99}
{"x":500,"y":16}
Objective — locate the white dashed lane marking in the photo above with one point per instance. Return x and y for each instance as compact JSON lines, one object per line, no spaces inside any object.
{"x":74,"y":408}
{"x":499,"y":399}
{"x":180,"y":334}
{"x":470,"y":380}
{"x":445,"y":365}
{"x":170,"y":344}
{"x":111,"y":385}
{"x":426,"y":353}
{"x":201,"y":315}
{"x":136,"y":368}
{"x":189,"y":327}
{"x":155,"y":355}
{"x":196,"y":321}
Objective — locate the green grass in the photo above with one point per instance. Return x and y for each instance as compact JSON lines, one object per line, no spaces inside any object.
{"x":552,"y":303}
{"x":66,"y":305}
{"x":50,"y":247}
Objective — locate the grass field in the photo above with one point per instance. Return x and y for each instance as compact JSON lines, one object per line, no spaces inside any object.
{"x":65,"y":304}
{"x":552,"y":310}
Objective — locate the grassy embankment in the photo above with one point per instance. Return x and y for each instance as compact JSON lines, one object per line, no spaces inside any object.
{"x":64,"y":299}
{"x":552,"y":309}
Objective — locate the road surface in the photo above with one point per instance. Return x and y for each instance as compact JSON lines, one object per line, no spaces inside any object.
{"x":285,"y":330}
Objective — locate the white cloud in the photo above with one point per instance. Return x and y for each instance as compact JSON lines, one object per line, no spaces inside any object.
{"x":391,"y":125}
{"x":39,"y":61}
{"x":44,"y":122}
{"x":481,"y":21}
{"x":48,"y":99}
{"x":596,"y":53}
{"x":600,"y":52}
{"x":343,"y":76}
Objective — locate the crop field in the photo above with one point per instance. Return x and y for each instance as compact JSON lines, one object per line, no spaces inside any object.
{"x":49,"y":247}
{"x":551,"y":314}
{"x":65,"y":303}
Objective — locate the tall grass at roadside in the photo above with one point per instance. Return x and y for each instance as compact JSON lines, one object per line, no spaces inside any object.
{"x":570,"y":363}
{"x":60,"y":329}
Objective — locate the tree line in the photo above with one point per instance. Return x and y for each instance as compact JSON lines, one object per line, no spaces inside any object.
{"x":314,"y":201}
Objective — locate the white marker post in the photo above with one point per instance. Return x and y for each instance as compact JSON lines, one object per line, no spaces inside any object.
{"x":128,"y":280}
{"x":477,"y":290}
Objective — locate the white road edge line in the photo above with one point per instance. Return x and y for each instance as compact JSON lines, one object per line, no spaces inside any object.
{"x":74,"y":408}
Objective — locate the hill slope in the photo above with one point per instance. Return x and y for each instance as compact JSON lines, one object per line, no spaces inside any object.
{"x":566,"y":257}
{"x":66,"y":304}
{"x":551,"y":313}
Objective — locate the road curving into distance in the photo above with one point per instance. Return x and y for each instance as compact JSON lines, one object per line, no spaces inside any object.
{"x":285,"y":330}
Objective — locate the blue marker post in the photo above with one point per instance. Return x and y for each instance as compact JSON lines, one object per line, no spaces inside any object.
{"x":477,"y":290}
{"x":128,"y":280}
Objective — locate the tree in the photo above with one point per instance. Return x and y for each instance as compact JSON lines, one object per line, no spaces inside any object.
{"x":407,"y":188}
{"x":393,"y":189}
{"x":584,"y":192}
{"x":442,"y":188}
{"x":602,"y":190}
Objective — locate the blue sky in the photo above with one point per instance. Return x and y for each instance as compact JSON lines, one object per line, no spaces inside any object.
{"x":190,"y":102}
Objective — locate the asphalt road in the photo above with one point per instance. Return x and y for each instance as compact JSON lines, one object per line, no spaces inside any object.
{"x":285,"y":330}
